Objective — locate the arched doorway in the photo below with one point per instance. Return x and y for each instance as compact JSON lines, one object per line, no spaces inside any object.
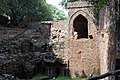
{"x":80,"y":25}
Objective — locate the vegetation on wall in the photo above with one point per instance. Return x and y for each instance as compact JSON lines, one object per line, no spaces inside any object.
{"x":99,"y":4}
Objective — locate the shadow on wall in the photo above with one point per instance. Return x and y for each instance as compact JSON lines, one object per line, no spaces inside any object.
{"x":39,"y":55}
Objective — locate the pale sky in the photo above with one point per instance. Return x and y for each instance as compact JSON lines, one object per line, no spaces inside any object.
{"x":56,"y":3}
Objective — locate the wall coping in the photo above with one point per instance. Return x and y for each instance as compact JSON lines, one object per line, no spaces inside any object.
{"x":79,"y":4}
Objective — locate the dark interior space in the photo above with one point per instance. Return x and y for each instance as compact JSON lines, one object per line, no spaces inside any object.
{"x":117,"y":66}
{"x":80,"y":25}
{"x":90,"y":36}
{"x":57,"y":71}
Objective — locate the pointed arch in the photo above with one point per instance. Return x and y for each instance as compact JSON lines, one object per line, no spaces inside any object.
{"x":80,"y":26}
{"x":80,"y":14}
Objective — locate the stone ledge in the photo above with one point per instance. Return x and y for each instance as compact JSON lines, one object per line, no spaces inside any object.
{"x":79,"y":4}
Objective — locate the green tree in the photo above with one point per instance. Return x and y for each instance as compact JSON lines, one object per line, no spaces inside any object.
{"x":20,"y":10}
{"x":35,"y":10}
{"x":55,"y":13}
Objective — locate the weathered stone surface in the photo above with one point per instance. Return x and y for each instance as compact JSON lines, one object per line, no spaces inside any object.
{"x":107,"y":42}
{"x":55,"y":38}
{"x":52,"y":41}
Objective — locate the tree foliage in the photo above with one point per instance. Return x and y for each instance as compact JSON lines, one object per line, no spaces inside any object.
{"x":55,"y":13}
{"x":19,"y":10}
{"x":35,"y":10}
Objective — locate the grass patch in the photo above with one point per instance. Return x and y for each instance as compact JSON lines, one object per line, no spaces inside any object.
{"x":68,"y":78}
{"x":63,"y":78}
{"x":44,"y":77}
{"x":40,"y":76}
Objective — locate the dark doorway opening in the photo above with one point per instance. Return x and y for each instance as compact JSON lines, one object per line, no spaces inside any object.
{"x":57,"y":71}
{"x":43,"y":70}
{"x":80,"y":25}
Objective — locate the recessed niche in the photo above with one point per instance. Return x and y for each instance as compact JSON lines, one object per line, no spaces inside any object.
{"x":90,"y":36}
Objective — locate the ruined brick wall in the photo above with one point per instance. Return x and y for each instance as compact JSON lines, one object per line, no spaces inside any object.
{"x":9,"y":68}
{"x":79,"y":55}
{"x":7,"y":32}
{"x":59,"y":29}
{"x":37,"y":33}
{"x":83,"y":53}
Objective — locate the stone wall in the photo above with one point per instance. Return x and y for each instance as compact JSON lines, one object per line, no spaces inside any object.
{"x":80,"y":55}
{"x":84,"y":56}
{"x":83,"y":53}
{"x":8,"y":33}
{"x":107,"y":40}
